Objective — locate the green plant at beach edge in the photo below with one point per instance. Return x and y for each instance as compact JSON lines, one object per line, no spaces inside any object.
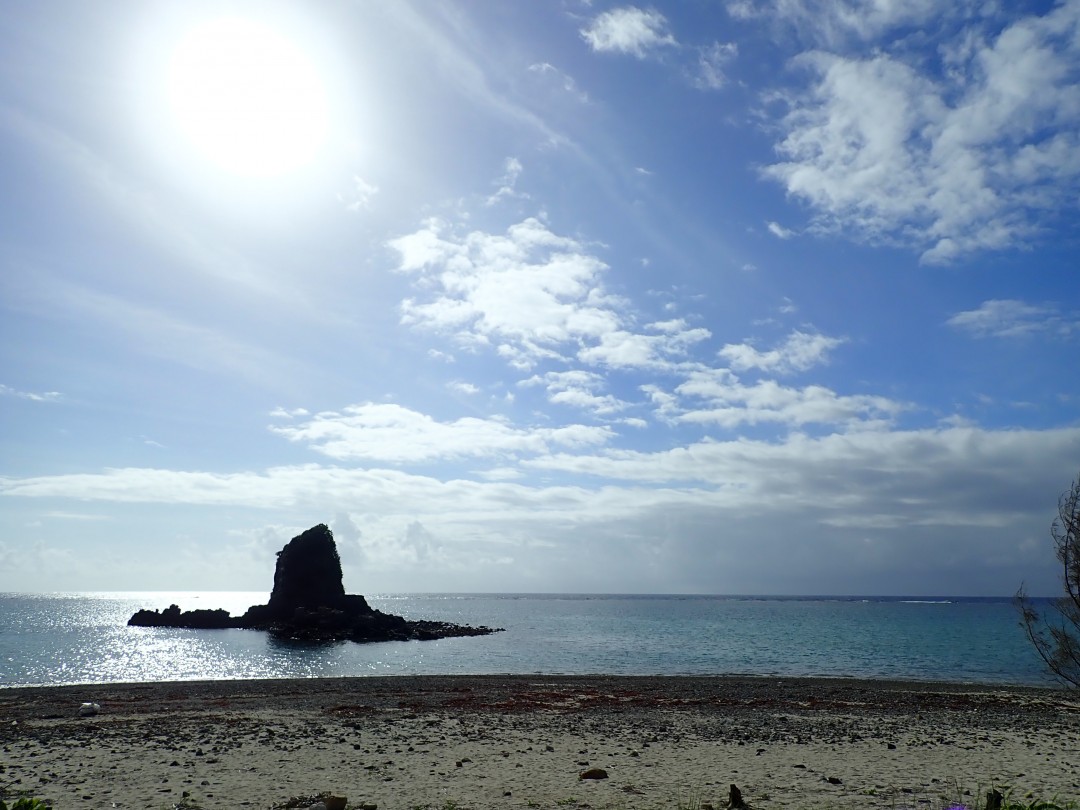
{"x":1058,"y":641}
{"x":26,"y":803}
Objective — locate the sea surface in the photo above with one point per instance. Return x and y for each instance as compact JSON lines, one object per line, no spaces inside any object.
{"x":70,"y":638}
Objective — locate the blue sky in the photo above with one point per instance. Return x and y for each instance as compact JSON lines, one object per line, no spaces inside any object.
{"x":716,"y":297}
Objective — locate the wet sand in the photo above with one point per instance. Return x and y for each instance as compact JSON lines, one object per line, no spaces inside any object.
{"x":524,"y":741}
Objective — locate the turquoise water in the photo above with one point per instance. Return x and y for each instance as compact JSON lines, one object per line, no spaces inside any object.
{"x":83,"y":638}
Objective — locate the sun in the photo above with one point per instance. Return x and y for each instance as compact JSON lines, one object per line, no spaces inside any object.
{"x":248,"y":98}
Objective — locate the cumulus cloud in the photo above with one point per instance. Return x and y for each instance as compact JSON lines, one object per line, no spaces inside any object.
{"x":578,"y":389}
{"x":728,"y":402}
{"x":1010,"y":318}
{"x":393,"y":433}
{"x":972,"y":160}
{"x":529,"y":295}
{"x":628,"y":30}
{"x":799,"y":352}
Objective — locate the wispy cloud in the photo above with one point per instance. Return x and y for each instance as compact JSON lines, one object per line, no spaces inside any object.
{"x":359,"y":197}
{"x":1009,"y":318}
{"x":507,"y":183}
{"x":154,"y":332}
{"x":33,"y":396}
{"x":563,"y":80}
{"x":628,"y":30}
{"x":463,"y":388}
{"x":834,"y":22}
{"x":397,"y":434}
{"x":288,"y":413}
{"x":710,"y":71}
{"x":81,"y":516}
{"x":212,"y":263}
{"x":779,"y":231}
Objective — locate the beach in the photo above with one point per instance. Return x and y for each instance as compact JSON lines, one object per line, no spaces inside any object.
{"x":525,"y":741}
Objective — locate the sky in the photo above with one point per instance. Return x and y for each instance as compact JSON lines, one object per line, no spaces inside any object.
{"x":710,"y":296}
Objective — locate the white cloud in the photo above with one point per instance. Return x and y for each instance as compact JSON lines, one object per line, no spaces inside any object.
{"x":389,"y":432}
{"x":529,"y":295}
{"x":628,"y":30}
{"x":779,"y":231}
{"x":1010,"y":318}
{"x":463,"y":388}
{"x":564,"y":81}
{"x":975,"y":160}
{"x":832,"y":22}
{"x":709,"y":72}
{"x":360,"y":196}
{"x":288,"y":413}
{"x":33,"y":396}
{"x":578,"y":389}
{"x":623,"y":349}
{"x":60,"y":515}
{"x":512,"y":169}
{"x":730,"y":403}
{"x":665,"y":404}
{"x":435,"y":354}
{"x":939,"y":502}
{"x":801,"y":351}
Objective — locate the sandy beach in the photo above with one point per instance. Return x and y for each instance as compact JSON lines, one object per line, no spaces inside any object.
{"x":525,"y":741}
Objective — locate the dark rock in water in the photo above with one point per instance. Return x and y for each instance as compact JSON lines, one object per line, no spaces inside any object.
{"x":308,"y":573}
{"x":309,"y":603}
{"x":192,"y":619}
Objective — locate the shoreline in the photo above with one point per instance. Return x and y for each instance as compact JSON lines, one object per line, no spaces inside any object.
{"x":490,"y":741}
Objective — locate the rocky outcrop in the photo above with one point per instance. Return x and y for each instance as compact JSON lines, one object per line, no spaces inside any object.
{"x":309,"y":603}
{"x":192,"y":619}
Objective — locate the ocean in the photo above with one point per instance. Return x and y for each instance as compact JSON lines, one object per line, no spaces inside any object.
{"x":74,"y":638}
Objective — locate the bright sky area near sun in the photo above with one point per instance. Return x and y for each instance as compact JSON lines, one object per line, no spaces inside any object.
{"x":738,"y":296}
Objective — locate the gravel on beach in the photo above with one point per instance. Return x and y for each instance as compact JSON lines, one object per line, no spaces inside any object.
{"x":524,"y":741}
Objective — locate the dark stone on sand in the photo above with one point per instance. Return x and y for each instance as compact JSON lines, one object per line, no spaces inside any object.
{"x":309,"y":604}
{"x":593,"y":773}
{"x":735,"y":799}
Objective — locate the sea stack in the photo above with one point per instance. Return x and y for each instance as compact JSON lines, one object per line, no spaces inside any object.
{"x":309,"y":603}
{"x":308,"y":572}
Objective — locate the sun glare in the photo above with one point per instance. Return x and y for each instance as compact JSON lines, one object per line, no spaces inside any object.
{"x":248,"y":98}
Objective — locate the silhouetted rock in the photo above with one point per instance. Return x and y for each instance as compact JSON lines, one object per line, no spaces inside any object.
{"x":309,"y":603}
{"x":172,"y":616}
{"x":308,"y":573}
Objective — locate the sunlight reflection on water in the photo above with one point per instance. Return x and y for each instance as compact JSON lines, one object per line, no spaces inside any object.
{"x":83,"y":638}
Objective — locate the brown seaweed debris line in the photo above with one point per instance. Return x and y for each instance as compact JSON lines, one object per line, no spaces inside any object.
{"x":309,"y":604}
